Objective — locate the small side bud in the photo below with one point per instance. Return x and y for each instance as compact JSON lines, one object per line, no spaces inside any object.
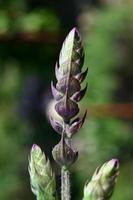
{"x":102,"y":184}
{"x":64,"y":154}
{"x":42,"y":179}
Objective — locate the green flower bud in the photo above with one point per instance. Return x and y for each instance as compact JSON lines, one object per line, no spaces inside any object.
{"x":103,"y":181}
{"x":42,"y":179}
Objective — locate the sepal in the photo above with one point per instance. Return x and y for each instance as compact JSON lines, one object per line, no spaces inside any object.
{"x":81,"y":76}
{"x":56,"y":94}
{"x":75,"y":126}
{"x":79,"y":95}
{"x":58,"y":73}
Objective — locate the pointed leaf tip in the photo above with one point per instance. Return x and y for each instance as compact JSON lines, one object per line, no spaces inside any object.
{"x":81,"y":76}
{"x":79,"y":95}
{"x":58,"y":73}
{"x":57,"y":126}
{"x":56,"y":94}
{"x":75,"y":126}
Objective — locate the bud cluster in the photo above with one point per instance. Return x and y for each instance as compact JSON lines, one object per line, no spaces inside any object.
{"x":67,"y":93}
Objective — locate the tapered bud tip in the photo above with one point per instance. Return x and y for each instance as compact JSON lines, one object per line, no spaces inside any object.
{"x":34,"y":147}
{"x":111,"y":167}
{"x":75,"y":30}
{"x":35,"y":151}
{"x":114,"y":163}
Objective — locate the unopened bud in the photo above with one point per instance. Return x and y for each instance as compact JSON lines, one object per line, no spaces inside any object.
{"x":103,"y":181}
{"x":64,"y":154}
{"x":67,"y":91}
{"x":42,"y":179}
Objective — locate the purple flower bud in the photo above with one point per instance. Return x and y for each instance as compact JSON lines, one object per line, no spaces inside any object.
{"x":67,"y":93}
{"x":69,"y":76}
{"x":66,"y":108}
{"x":63,"y":154}
{"x":70,"y":85}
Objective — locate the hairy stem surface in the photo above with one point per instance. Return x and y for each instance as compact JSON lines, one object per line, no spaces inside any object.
{"x":65,"y":184}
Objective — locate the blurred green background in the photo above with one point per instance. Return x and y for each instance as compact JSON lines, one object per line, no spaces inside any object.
{"x":31,"y":34}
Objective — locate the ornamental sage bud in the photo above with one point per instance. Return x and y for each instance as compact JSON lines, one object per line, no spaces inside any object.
{"x":103,"y":181}
{"x":63,"y":153}
{"x":42,"y":178}
{"x":67,"y":93}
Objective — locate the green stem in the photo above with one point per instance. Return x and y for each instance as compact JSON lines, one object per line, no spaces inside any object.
{"x":40,"y":196}
{"x":65,"y":184}
{"x":46,"y":196}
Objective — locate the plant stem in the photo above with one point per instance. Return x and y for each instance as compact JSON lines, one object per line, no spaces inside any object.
{"x":40,"y":196}
{"x":65,"y":184}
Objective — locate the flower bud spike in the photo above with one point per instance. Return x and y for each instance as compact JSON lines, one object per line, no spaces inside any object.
{"x":68,"y":69}
{"x":67,"y":93}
